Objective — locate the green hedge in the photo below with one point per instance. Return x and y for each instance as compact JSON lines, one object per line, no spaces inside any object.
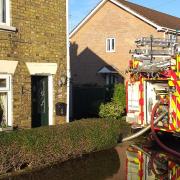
{"x":48,"y":145}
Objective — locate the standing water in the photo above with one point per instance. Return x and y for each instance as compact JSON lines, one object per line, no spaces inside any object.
{"x":125,"y":162}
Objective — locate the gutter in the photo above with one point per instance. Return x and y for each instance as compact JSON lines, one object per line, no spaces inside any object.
{"x":68,"y":64}
{"x":169,"y":30}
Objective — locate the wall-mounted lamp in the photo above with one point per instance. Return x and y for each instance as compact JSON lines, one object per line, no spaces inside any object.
{"x":63,"y":80}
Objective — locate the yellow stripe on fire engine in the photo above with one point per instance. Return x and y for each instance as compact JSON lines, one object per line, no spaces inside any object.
{"x":173,"y":104}
{"x":178,"y":83}
{"x":177,"y":111}
{"x":170,"y":83}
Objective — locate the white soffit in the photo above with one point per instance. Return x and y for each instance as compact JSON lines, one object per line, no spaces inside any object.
{"x":8,"y":67}
{"x":42,"y":68}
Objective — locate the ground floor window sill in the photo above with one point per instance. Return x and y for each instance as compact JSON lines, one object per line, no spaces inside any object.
{"x":6,"y":129}
{"x":7,"y":28}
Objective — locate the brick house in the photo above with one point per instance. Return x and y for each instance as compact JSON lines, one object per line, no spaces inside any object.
{"x":33,"y":62}
{"x":100,"y":44}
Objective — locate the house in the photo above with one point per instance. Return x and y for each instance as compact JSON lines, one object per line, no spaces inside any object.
{"x":102,"y":41}
{"x":33,"y":63}
{"x":100,"y":44}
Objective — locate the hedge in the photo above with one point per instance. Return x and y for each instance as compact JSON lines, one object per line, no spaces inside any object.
{"x":44,"y":146}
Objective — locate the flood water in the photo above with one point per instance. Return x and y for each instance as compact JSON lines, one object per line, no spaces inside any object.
{"x":128,"y":161}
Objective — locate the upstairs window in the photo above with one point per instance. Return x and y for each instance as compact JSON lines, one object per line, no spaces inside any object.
{"x":110,"y":45}
{"x":4,"y":12}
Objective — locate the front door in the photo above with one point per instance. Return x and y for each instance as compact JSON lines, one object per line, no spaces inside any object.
{"x":40,"y":110}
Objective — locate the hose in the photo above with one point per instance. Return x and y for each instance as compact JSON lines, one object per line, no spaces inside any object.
{"x":156,"y":137}
{"x":143,"y":130}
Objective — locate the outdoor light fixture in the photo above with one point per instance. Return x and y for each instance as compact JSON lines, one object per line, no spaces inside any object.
{"x":63,"y":80}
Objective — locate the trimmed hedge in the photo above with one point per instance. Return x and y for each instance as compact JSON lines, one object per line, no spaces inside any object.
{"x":44,"y":146}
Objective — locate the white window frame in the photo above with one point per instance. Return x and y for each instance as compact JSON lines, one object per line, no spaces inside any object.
{"x":111,"y":79}
{"x":8,"y":90}
{"x":7,"y":23}
{"x":110,"y":48}
{"x":50,"y":99}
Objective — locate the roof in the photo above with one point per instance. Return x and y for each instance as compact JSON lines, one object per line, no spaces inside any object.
{"x":159,"y":20}
{"x":107,"y":70}
{"x":162,"y":19}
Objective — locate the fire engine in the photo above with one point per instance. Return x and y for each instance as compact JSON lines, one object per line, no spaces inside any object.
{"x":153,"y":89}
{"x":154,"y":84}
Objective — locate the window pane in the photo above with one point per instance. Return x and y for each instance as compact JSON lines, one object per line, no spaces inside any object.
{"x":3,"y":109}
{"x":113,"y":44}
{"x":110,"y":44}
{"x":2,"y":83}
{"x":3,"y":11}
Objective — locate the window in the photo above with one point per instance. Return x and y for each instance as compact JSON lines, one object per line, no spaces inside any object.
{"x":5,"y":100}
{"x":4,"y":83}
{"x":110,"y":45}
{"x":4,"y":12}
{"x":111,"y":79}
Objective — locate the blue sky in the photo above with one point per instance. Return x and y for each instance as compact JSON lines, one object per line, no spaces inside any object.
{"x":78,"y":9}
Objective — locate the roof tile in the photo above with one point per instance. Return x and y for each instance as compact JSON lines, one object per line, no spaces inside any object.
{"x":161,"y":19}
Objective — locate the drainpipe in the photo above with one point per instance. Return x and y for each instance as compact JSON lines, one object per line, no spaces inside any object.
{"x":68,"y":63}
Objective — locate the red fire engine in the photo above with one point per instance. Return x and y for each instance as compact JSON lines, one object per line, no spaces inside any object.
{"x":154,"y":85}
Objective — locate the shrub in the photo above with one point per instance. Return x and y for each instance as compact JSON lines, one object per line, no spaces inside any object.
{"x":116,"y":108}
{"x":48,"y":145}
{"x":119,"y":96}
{"x":111,"y":110}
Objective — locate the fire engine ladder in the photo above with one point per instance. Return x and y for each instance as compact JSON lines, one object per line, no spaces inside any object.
{"x":156,"y":66}
{"x":156,"y":42}
{"x":148,"y":52}
{"x":164,"y":47}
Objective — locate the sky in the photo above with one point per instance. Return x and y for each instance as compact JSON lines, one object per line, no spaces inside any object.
{"x":78,"y":9}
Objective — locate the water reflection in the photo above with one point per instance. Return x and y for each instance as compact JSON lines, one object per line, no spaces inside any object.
{"x":96,"y":166}
{"x":143,"y":163}
{"x":134,"y":162}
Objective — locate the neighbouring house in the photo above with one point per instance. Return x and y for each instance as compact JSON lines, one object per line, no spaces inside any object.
{"x":100,"y":44}
{"x":33,"y":63}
